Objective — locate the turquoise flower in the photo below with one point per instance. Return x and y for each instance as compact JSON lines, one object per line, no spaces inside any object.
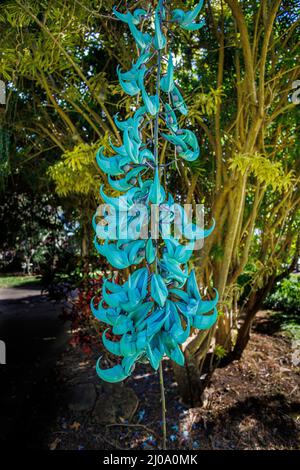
{"x":186,"y":144}
{"x":159,"y":38}
{"x":154,"y":310}
{"x":167,"y":81}
{"x":170,"y":119}
{"x":138,"y":15}
{"x":186,"y":19}
{"x":178,"y":101}
{"x":157,"y":193}
{"x":113,"y":166}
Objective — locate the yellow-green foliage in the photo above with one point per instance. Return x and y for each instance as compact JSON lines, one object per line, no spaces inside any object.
{"x":204,"y":104}
{"x":266,"y":171}
{"x":76,"y":172}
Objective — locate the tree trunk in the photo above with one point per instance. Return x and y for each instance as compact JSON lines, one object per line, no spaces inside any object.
{"x":250,"y":310}
{"x":188,"y":380}
{"x":254,"y":305}
{"x":88,"y":207}
{"x":242,"y":338}
{"x":188,"y":377}
{"x":85,"y":246}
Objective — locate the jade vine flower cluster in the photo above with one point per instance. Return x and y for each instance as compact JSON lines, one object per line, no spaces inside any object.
{"x":155,"y":310}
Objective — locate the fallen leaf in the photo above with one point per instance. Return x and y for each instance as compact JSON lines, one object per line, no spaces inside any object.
{"x":75,"y":425}
{"x":54,"y":444}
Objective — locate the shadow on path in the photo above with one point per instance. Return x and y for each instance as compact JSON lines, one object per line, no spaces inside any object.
{"x":34,"y":337}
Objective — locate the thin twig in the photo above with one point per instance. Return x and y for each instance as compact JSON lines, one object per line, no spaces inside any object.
{"x":132,"y":425}
{"x":163,"y":405}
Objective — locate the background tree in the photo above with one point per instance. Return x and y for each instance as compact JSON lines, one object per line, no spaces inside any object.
{"x":250,"y":54}
{"x":58,"y":60}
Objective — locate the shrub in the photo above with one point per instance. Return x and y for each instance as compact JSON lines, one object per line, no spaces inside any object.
{"x":285,"y":296}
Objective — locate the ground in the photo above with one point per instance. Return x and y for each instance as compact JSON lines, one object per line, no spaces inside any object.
{"x":54,"y":400}
{"x":34,"y":338}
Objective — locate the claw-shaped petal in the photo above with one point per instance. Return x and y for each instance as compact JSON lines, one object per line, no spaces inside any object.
{"x":111,"y":346}
{"x":159,"y":290}
{"x":150,"y":251}
{"x":208,"y":305}
{"x":151,"y":103}
{"x":143,"y":40}
{"x":178,"y":101}
{"x":112,"y":375}
{"x":204,"y":322}
{"x":154,"y":354}
{"x":159,"y":38}
{"x":157,"y":193}
{"x":170,"y":119}
{"x":130,"y":87}
{"x":101,"y":313}
{"x":167,"y":81}
{"x":186,"y":19}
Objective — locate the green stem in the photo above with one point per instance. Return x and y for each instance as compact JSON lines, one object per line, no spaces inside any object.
{"x":163,"y":406}
{"x":156,"y":135}
{"x":156,"y":151}
{"x":156,"y":124}
{"x":156,"y":127}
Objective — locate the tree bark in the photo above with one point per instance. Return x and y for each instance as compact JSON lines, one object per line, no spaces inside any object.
{"x":189,"y":382}
{"x":188,"y":377}
{"x":254,"y":305}
{"x":244,"y":332}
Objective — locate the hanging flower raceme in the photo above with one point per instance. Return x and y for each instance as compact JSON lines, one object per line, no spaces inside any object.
{"x":154,"y":311}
